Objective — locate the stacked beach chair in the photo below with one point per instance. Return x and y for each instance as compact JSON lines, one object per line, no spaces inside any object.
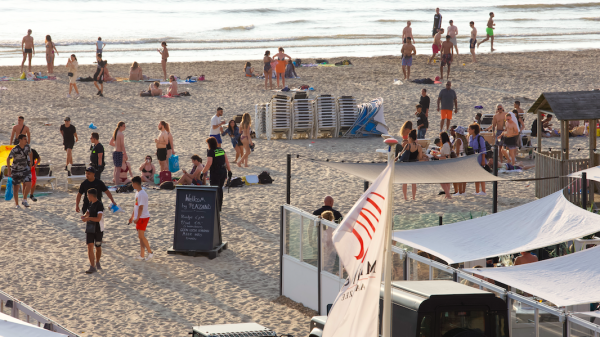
{"x":303,"y":117}
{"x":370,"y":121}
{"x":326,"y":119}
{"x":347,"y":112}
{"x":260,"y":119}
{"x":279,"y":117}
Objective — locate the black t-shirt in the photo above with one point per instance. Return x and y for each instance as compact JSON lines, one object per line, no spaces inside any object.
{"x":94,"y":209}
{"x":424,"y":101}
{"x":36,"y":156}
{"x":86,"y":185}
{"x":437,"y":21}
{"x":94,"y":151}
{"x":422,"y":119}
{"x":217,"y":167}
{"x":336,"y":215}
{"x":68,"y":134}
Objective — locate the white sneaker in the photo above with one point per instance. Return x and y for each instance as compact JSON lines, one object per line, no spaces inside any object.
{"x":68,"y":96}
{"x":76,"y":96}
{"x":17,"y":207}
{"x":481,"y":193}
{"x":139,"y":258}
{"x":149,"y":257}
{"x":456,"y":194}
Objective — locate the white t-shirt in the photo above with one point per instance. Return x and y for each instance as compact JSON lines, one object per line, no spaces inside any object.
{"x":514,"y":118}
{"x":215,"y":120}
{"x":101,"y":221}
{"x":99,"y":44}
{"x":141,"y":198}
{"x":446,"y":149}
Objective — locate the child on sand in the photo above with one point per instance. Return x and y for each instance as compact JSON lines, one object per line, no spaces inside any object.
{"x":290,"y":70}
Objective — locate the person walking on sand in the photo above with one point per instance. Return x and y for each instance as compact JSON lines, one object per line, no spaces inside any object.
{"x":165,"y":55}
{"x":94,"y":230}
{"x":246,"y":139}
{"x":473,"y":40}
{"x":407,"y":32}
{"x":447,"y":97}
{"x":99,"y":75}
{"x":408,"y":50}
{"x":161,"y":146}
{"x":437,"y":22}
{"x":447,"y":54}
{"x":140,"y":217}
{"x":489,"y":31}
{"x":268,"y":69}
{"x":437,"y":44}
{"x":280,"y":67}
{"x":453,"y":32}
{"x":118,"y":141}
{"x":100,"y":46}
{"x":20,"y":171}
{"x":28,"y":49}
{"x":97,"y":155}
{"x":69,"y":134}
{"x":72,"y":66}
{"x":19,"y":129}
{"x":50,"y":49}
{"x":216,"y":126}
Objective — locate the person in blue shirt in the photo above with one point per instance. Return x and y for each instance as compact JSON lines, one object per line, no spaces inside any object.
{"x":477,"y":142}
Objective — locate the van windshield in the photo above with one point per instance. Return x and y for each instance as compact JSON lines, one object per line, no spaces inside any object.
{"x":462,"y":323}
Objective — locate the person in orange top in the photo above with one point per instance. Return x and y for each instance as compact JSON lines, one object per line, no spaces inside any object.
{"x":280,"y":67}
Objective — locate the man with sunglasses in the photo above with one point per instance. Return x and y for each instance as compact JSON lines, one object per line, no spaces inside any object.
{"x":498,"y":123}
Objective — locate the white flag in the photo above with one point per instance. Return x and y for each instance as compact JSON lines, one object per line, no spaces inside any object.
{"x":359,"y":241}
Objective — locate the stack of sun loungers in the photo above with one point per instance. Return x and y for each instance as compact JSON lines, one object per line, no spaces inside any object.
{"x":347,"y":112}
{"x":260,"y":119}
{"x":279,"y":117}
{"x":303,"y":117}
{"x":326,"y":120}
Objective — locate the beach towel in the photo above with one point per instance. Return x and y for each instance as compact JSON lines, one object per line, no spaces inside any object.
{"x":423,"y":81}
{"x":8,"y":195}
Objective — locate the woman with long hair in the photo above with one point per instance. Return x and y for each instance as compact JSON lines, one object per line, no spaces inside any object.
{"x":234,"y":133}
{"x":415,"y":153}
{"x":72,"y":66}
{"x":161,"y":146}
{"x":170,"y":143}
{"x":245,"y":138}
{"x":148,"y":170}
{"x":280,"y":67}
{"x":404,"y":131}
{"x":445,"y":153}
{"x":460,"y":145}
{"x":50,"y":49}
{"x":135,"y":72}
{"x":249,"y":70}
{"x":268,"y":69}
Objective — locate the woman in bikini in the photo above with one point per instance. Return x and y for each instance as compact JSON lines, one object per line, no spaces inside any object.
{"x":148,"y":170}
{"x":125,"y":168}
{"x":50,"y":49}
{"x":245,"y":139}
{"x":135,"y":72}
{"x":72,"y":66}
{"x":404,"y":131}
{"x":172,"y":90}
{"x":415,"y":153}
{"x":280,"y":67}
{"x":161,"y":146}
{"x":234,"y":133}
{"x":165,"y":55}
{"x":268,"y":70}
{"x":170,"y":144}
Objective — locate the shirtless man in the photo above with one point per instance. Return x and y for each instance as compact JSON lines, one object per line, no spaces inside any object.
{"x":437,"y":44}
{"x":161,"y":147}
{"x":525,"y":258}
{"x":154,"y":89}
{"x":407,"y":32}
{"x":165,"y":55}
{"x":498,"y":123}
{"x":19,"y":129}
{"x":120,"y":155}
{"x":447,"y":54}
{"x":511,"y":138}
{"x":453,"y":32}
{"x":473,"y":40}
{"x":489,"y":31}
{"x":27,"y":48}
{"x":408,"y":50}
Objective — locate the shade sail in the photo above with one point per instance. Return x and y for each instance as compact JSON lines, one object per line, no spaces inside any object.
{"x":10,"y":326}
{"x":566,"y":280}
{"x":590,"y":313}
{"x":593,"y":173}
{"x":540,"y":223}
{"x":464,"y":169}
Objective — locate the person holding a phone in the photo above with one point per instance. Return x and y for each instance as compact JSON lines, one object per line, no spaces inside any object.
{"x":148,"y":170}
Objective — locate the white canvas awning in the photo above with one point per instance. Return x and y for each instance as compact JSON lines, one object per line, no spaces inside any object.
{"x":10,"y":326}
{"x":590,"y":313}
{"x":593,"y":173}
{"x":566,"y":280}
{"x":464,"y":169}
{"x":540,"y":223}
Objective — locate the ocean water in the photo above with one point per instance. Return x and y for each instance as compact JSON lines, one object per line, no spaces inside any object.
{"x":244,"y":29}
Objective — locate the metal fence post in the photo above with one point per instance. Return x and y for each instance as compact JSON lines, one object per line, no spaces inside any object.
{"x":495,"y":183}
{"x":584,"y":190}
{"x":288,"y":185}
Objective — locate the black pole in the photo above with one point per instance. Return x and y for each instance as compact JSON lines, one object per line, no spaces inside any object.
{"x":288,"y":183}
{"x":441,"y":222}
{"x":366,"y":185}
{"x":319,"y":268}
{"x":495,"y":184}
{"x":584,"y":190}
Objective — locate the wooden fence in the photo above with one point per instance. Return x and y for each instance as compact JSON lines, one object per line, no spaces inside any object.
{"x":548,"y":164}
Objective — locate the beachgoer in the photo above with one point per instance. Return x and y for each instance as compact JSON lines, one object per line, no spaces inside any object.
{"x":216,"y":126}
{"x":415,"y":153}
{"x":153,"y":90}
{"x":437,"y":22}
{"x":477,"y":143}
{"x":50,"y":50}
{"x":148,"y":170}
{"x":422,"y":121}
{"x":20,"y":171}
{"x":172,"y":90}
{"x":453,"y":32}
{"x":445,"y":153}
{"x":246,"y":139}
{"x":268,"y":70}
{"x":489,"y":31}
{"x":97,"y":155}
{"x":99,"y":75}
{"x":234,"y":133}
{"x":218,"y":164}
{"x":447,"y":55}
{"x":161,"y":146}
{"x":193,"y":178}
{"x":140,"y":217}
{"x":125,"y":168}
{"x":498,"y":121}
{"x":106,"y":75}
{"x":405,"y":129}
{"x":473,"y":40}
{"x":165,"y":55}
{"x":249,"y":70}
{"x":72,"y":66}
{"x":280,"y":67}
{"x":290,"y":70}
{"x":407,"y":32}
{"x":437,"y":44}
{"x":91,"y":182}
{"x":119,"y":155}
{"x":478,"y":118}
{"x":447,"y":97}
{"x":94,"y":229}
{"x":36,"y":161}
{"x":511,"y":137}
{"x":328,"y":206}
{"x":19,"y":129}
{"x":99,"y":46}
{"x":525,"y":258}
{"x":69,"y":134}
{"x":460,"y":146}
{"x":135,"y":72}
{"x":28,"y":49}
{"x":408,"y":51}
{"x":170,"y":142}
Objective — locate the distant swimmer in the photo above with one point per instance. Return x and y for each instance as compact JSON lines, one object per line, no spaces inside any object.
{"x":489,"y":31}
{"x":473,"y":40}
{"x":407,"y":32}
{"x":453,"y":32}
{"x":165,"y":55}
{"x":408,"y":50}
{"x":437,"y":22}
{"x":447,"y":54}
{"x":437,"y":44}
{"x":28,"y":49}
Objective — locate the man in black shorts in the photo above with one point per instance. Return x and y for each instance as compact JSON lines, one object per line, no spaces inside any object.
{"x":86,"y":185}
{"x":94,"y":230}
{"x":97,"y":155}
{"x":99,"y":75}
{"x":69,"y":134}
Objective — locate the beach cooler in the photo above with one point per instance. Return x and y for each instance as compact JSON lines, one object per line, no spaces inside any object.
{"x":165,"y":176}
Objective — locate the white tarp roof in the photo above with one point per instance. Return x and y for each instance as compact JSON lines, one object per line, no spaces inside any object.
{"x":593,"y":173}
{"x":14,"y":327}
{"x":540,"y":223}
{"x":464,"y":169}
{"x":566,"y":280}
{"x":590,"y":313}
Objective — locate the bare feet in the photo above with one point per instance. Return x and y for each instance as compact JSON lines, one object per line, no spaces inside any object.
{"x":493,"y":50}
{"x":239,"y":164}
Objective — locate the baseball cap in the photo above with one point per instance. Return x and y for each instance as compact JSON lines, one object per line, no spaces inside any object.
{"x":67,"y":119}
{"x":90,"y":169}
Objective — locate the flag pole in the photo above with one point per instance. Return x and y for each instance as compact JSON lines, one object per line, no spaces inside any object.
{"x":387,"y":294}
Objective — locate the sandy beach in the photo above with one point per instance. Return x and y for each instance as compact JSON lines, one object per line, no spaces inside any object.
{"x":42,"y":249}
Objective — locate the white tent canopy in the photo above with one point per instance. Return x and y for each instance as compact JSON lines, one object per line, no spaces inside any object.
{"x":464,"y":169}
{"x":10,"y":326}
{"x":590,"y":313}
{"x":540,"y":223}
{"x":593,"y":173}
{"x":567,"y":280}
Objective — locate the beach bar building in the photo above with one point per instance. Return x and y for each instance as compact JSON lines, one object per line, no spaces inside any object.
{"x":565,"y":106}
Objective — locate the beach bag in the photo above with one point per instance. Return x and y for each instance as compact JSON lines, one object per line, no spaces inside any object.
{"x":156,"y":178}
{"x":298,"y":62}
{"x":265,"y":178}
{"x":251,"y":180}
{"x":405,"y":156}
{"x":8,"y":195}
{"x":90,"y":227}
{"x":167,"y":185}
{"x":165,"y":176}
{"x":22,"y":77}
{"x":125,"y":188}
{"x":30,"y":76}
{"x":174,"y":163}
{"x":320,"y":61}
{"x":236,"y":182}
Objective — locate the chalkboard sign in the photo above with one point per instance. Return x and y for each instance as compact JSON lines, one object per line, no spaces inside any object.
{"x":197,"y":222}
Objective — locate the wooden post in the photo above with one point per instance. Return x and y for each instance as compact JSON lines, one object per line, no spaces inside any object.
{"x":539,"y":131}
{"x":592,"y":137}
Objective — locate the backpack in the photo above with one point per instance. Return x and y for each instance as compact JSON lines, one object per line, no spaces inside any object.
{"x":488,"y":149}
{"x":125,"y":188}
{"x":298,"y":63}
{"x":236,"y":182}
{"x":167,"y":185}
{"x":265,"y":178}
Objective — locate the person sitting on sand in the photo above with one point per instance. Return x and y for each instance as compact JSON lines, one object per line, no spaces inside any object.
{"x":525,"y":258}
{"x":107,"y":77}
{"x":290,"y":70}
{"x":193,"y":178}
{"x":153,"y":90}
{"x":508,"y":166}
{"x":172,"y":90}
{"x":148,"y":170}
{"x":125,"y":168}
{"x":249,"y":70}
{"x":135,"y":72}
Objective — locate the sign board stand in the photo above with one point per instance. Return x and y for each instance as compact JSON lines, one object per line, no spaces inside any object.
{"x":197,"y":222}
